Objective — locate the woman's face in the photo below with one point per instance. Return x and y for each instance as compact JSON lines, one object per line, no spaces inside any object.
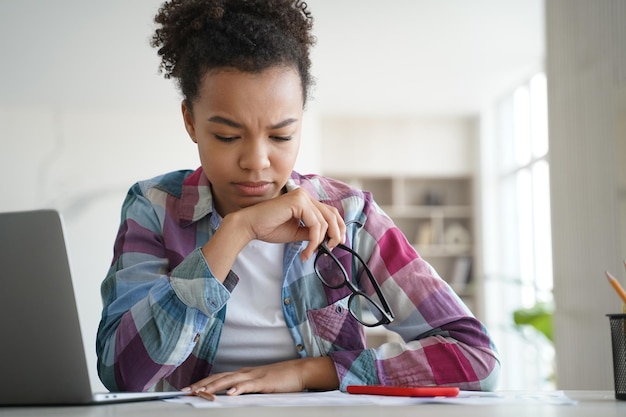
{"x":247,"y":127}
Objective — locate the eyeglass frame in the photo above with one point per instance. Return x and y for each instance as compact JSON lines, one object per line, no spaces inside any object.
{"x":387,"y":315}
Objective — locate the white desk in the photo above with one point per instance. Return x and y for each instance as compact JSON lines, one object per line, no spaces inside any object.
{"x":590,"y":403}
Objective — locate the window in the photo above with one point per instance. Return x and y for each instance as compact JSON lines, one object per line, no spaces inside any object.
{"x":517,"y":253}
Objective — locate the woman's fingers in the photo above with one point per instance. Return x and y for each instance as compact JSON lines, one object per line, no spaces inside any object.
{"x":336,"y":227}
{"x":202,"y":384}
{"x":330,"y":225}
{"x":232,"y":383}
{"x":317,"y":226}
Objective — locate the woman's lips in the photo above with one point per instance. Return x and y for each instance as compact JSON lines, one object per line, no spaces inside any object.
{"x":250,"y":188}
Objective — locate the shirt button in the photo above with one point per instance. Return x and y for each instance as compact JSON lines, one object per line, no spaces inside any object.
{"x":287,"y":301}
{"x":338,"y":309}
{"x":195,"y":339}
{"x":299,"y":347}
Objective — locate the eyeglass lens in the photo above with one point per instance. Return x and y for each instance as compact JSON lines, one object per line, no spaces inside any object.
{"x":365,"y":310}
{"x":330,"y":272}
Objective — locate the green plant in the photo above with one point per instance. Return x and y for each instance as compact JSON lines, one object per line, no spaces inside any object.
{"x":538,"y":316}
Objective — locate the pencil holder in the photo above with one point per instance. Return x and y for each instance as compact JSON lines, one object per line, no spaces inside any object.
{"x":618,"y":341}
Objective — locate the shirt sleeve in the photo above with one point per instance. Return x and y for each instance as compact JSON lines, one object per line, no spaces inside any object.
{"x":444,"y":344}
{"x":152,"y":313}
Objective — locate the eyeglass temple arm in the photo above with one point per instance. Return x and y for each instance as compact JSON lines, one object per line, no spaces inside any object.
{"x":377,"y":289}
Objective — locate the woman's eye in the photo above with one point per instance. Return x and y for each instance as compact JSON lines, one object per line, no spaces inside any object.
{"x":281,"y":138}
{"x":226,"y":139}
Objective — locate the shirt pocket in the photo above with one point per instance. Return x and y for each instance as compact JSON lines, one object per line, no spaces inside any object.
{"x":335,"y":329}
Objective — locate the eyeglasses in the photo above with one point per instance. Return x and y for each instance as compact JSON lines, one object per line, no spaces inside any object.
{"x":331,"y":268}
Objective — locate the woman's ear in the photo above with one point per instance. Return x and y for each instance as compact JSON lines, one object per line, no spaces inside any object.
{"x":188,"y":120}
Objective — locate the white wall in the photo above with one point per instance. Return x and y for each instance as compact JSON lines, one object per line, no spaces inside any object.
{"x":442,"y":146}
{"x":422,"y":57}
{"x":586,"y":70}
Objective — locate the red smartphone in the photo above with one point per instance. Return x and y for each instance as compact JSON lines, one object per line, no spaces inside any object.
{"x":432,"y":391}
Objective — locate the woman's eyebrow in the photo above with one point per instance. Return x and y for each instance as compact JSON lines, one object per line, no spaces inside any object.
{"x":232,"y":123}
{"x":284,"y":123}
{"x":225,"y":121}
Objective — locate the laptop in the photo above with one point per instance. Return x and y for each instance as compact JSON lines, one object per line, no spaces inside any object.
{"x":42,"y":357}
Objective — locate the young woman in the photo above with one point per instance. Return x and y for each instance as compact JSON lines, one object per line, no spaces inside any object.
{"x":246,"y":276}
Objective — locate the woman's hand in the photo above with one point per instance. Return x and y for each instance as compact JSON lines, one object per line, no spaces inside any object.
{"x":292,"y":217}
{"x":289,"y":376}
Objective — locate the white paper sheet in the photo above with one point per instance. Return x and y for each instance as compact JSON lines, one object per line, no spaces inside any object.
{"x":337,"y":398}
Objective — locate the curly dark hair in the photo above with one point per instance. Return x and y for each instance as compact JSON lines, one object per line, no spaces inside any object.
{"x":197,"y":36}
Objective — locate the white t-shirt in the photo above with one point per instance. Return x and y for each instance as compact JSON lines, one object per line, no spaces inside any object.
{"x":255,"y":332}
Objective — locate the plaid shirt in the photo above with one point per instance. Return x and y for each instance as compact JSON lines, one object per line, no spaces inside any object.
{"x":164,"y":310}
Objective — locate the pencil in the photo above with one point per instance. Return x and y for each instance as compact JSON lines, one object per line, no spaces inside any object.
{"x":206,"y":395}
{"x":618,"y":288}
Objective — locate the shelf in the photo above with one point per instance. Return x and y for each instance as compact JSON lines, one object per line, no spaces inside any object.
{"x":443,"y":250}
{"x":428,"y":211}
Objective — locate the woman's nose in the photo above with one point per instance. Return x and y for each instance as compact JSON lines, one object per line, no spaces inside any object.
{"x":255,"y":155}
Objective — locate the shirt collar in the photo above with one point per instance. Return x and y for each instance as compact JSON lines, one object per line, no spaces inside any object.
{"x":196,"y":200}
